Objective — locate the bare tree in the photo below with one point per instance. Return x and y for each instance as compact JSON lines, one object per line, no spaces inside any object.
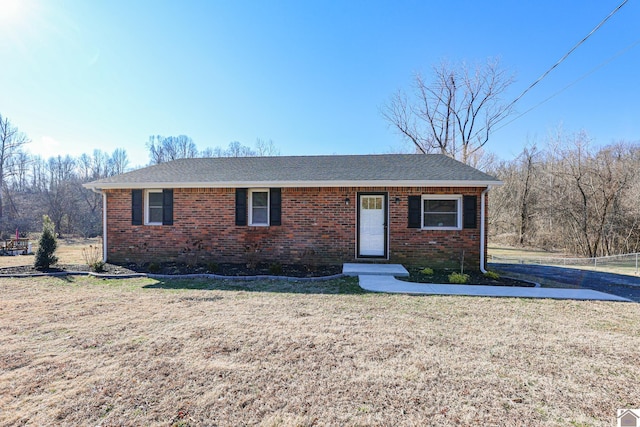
{"x":266,"y":148}
{"x":164,"y":149}
{"x":19,"y":169}
{"x":515,"y":205}
{"x":38,"y":173}
{"x":454,"y":113}
{"x":95,"y":166}
{"x":59,"y":195}
{"x":571,"y":196}
{"x":236,"y":149}
{"x":527,"y":193}
{"x":11,"y":141}
{"x":211,"y":152}
{"x":119,"y":161}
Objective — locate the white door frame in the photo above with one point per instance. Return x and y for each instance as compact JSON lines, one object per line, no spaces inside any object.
{"x":385,"y":208}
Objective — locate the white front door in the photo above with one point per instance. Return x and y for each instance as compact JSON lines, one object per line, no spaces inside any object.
{"x":372,"y":229}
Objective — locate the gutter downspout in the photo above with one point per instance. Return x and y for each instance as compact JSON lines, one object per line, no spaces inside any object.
{"x":483,"y":234}
{"x":104,"y":223}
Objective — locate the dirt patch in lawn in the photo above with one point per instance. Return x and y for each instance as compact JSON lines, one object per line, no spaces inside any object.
{"x":87,"y":351}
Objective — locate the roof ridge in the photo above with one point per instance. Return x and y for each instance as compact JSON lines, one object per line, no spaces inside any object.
{"x":371,"y":169}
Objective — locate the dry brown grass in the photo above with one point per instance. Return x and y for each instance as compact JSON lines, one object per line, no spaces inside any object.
{"x":69,"y":251}
{"x":85,"y":351}
{"x":519,"y":252}
{"x":531,"y":255}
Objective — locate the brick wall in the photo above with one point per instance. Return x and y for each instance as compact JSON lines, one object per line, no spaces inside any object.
{"x":317,"y":226}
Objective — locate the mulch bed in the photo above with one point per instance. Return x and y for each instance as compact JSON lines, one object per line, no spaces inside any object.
{"x":231,"y":269}
{"x":64,"y":268}
{"x":475,"y":278}
{"x":223,"y":269}
{"x":262,"y":269}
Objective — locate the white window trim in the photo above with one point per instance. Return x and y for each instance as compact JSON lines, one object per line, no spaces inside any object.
{"x":146,"y":206}
{"x":457,"y":197}
{"x":250,"y":204}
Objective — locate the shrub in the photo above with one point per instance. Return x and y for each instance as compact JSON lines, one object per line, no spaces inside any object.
{"x":275,"y":269}
{"x":193,"y":251}
{"x":427,"y":271}
{"x":459,"y":278}
{"x":93,"y":257}
{"x":153,"y":268}
{"x":46,"y":245}
{"x":212,"y":267}
{"x":492,"y":275}
{"x":252,"y":254}
{"x":310,"y":259}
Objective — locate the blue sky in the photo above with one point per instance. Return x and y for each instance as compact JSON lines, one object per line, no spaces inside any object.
{"x":309,"y":75}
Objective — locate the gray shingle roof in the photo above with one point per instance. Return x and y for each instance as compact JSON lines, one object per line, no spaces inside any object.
{"x":308,"y":171}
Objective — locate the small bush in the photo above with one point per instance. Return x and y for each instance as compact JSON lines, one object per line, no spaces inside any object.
{"x":275,"y":269}
{"x":193,"y":251}
{"x":459,"y":278}
{"x":492,"y":275}
{"x":252,"y":254}
{"x":97,"y":267}
{"x":47,"y":245}
{"x":212,"y":267}
{"x":427,"y":271}
{"x":310,"y":259}
{"x":153,"y":268}
{"x":93,"y":257}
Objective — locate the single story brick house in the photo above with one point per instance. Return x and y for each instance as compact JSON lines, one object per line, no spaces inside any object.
{"x":414,"y":209}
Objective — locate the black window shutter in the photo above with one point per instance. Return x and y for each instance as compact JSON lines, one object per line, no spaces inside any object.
{"x":136,"y":207}
{"x":241,"y":206}
{"x":275,"y":206}
{"x":167,"y":207}
{"x":469,"y":211}
{"x":415,"y":212}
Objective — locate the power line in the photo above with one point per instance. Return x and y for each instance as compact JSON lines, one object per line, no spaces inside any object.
{"x":597,"y":27}
{"x":582,"y":77}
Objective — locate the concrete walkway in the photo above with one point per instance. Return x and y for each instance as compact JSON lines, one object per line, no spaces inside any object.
{"x":380,"y":278}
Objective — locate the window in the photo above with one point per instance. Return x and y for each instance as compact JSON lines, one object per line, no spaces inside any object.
{"x":152,"y":207}
{"x":373,"y":202}
{"x":153,"y":213}
{"x":441,"y":212}
{"x":259,"y":207}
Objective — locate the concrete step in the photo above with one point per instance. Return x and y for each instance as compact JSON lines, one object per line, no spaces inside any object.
{"x":355,"y":269}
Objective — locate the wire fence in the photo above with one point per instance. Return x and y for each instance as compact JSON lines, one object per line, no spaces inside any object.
{"x":622,"y":264}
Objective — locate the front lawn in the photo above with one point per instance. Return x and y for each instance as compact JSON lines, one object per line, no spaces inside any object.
{"x":85,"y":351}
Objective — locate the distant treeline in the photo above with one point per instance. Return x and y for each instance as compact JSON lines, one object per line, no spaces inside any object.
{"x":569,"y":196}
{"x":34,"y":186}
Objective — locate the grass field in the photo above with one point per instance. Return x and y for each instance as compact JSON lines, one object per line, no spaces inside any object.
{"x":504,"y":253}
{"x":85,"y":351}
{"x":69,"y":251}
{"x":516,"y":252}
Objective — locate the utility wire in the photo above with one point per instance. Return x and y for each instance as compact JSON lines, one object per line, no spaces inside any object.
{"x":582,"y":77}
{"x":568,"y":53}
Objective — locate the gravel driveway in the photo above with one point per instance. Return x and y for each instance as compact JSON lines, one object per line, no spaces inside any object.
{"x":616,"y":284}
